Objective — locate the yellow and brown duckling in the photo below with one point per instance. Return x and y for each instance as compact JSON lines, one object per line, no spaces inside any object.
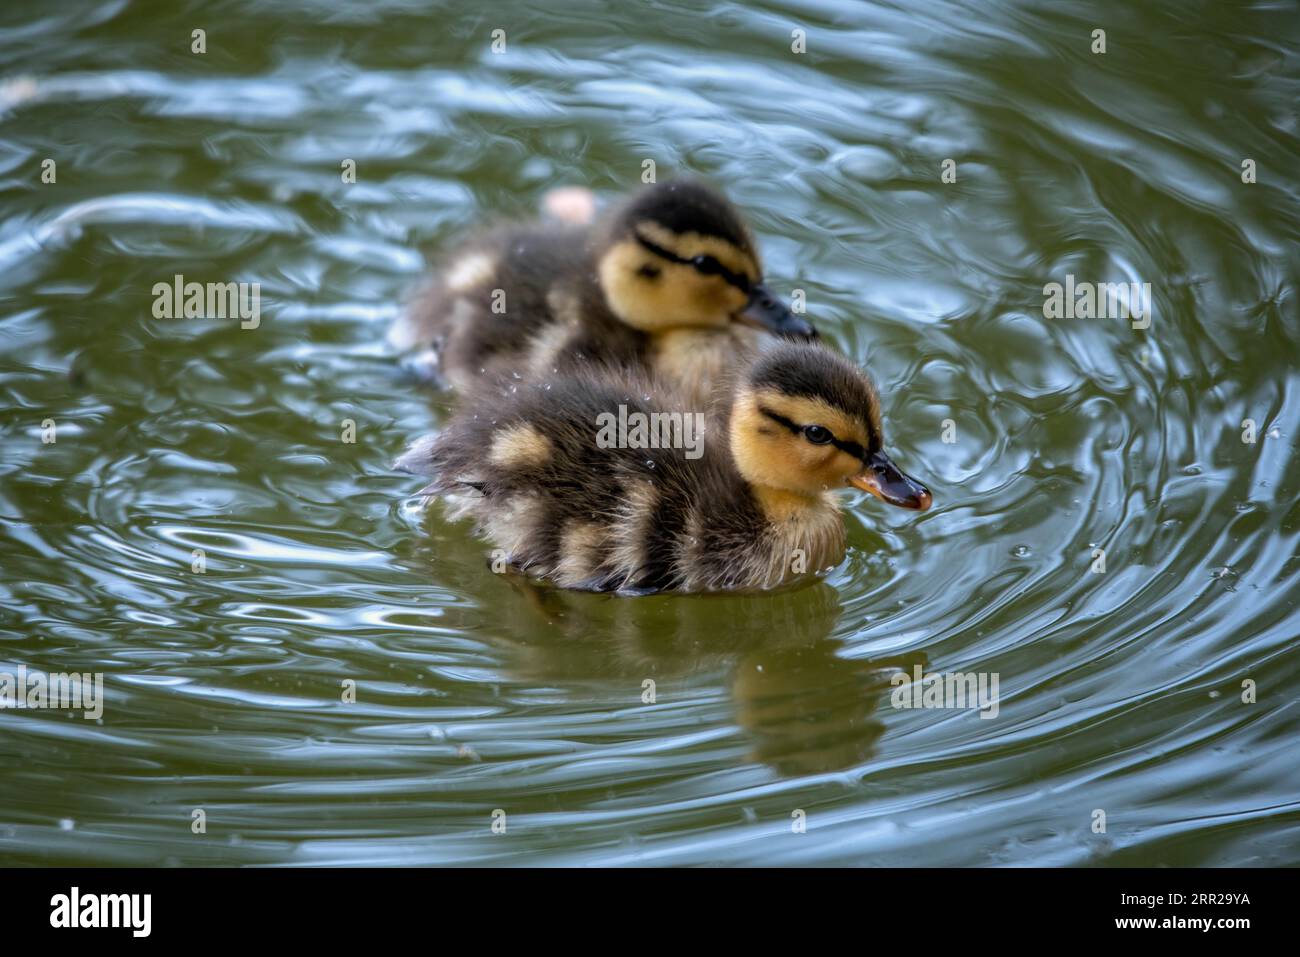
{"x":669,"y":283}
{"x":751,"y":507}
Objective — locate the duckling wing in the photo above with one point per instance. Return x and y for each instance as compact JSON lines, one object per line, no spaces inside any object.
{"x":417,"y":459}
{"x":514,"y":302}
{"x":565,"y":504}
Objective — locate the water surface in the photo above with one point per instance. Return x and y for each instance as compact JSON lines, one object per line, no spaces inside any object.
{"x":1120,"y":691}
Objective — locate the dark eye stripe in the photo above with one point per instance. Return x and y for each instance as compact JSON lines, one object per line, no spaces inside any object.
{"x":715,"y":268}
{"x":852,"y":448}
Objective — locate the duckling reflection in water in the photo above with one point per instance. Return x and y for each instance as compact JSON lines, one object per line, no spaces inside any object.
{"x":809,"y":710}
{"x":669,"y":284}
{"x":804,"y":707}
{"x":756,"y":512}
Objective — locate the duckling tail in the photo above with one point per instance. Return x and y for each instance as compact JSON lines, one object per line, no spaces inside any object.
{"x":418,"y":459}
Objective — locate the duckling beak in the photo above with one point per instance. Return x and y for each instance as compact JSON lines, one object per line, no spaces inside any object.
{"x":887,"y":482}
{"x":766,"y":311}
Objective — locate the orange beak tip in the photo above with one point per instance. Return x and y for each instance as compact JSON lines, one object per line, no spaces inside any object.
{"x":912,"y":496}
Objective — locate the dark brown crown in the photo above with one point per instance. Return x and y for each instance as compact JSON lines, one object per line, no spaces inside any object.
{"x":688,"y":206}
{"x":814,"y":372}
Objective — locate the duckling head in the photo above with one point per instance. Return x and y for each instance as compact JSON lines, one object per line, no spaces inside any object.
{"x":678,"y":255}
{"x":805,"y":421}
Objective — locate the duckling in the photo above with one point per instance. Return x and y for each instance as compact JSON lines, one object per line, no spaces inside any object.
{"x":750,"y":507}
{"x":669,"y":282}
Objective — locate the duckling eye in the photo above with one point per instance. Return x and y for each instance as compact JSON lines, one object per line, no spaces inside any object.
{"x":707,"y":265}
{"x":817,"y":434}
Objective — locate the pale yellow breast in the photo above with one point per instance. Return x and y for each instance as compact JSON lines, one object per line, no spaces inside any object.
{"x":698,"y":360}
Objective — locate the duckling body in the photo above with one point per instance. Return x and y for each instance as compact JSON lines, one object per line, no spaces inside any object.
{"x":750,"y":507}
{"x":519,"y":302}
{"x":665,"y":285}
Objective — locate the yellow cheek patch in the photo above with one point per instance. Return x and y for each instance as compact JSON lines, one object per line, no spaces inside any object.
{"x":678,"y":298}
{"x":764,"y":451}
{"x":631,"y":298}
{"x":837,"y":468}
{"x":520,"y":446}
{"x":690,"y":245}
{"x":772,"y":457}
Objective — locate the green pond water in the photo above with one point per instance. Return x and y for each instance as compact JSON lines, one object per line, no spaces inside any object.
{"x":772,"y":738}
